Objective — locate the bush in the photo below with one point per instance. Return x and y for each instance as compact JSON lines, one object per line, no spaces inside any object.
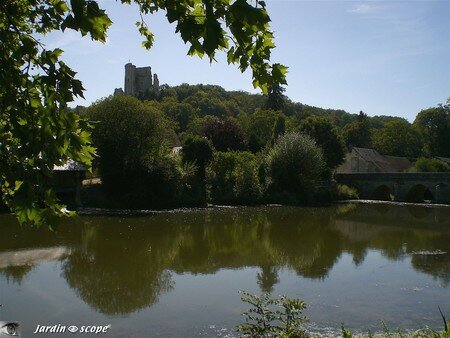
{"x":280,"y":317}
{"x":425,"y":165}
{"x":233,"y":178}
{"x":344,"y":192}
{"x":295,"y":164}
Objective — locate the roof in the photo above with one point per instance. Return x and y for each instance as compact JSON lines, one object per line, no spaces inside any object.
{"x":176,"y":150}
{"x":386,"y":164}
{"x":399,"y":163}
{"x":70,"y":165}
{"x":445,"y":159}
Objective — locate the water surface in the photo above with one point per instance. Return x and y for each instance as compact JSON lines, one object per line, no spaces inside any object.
{"x":178,"y":274}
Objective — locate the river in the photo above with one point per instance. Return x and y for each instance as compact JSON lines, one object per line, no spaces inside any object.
{"x":178,"y":274}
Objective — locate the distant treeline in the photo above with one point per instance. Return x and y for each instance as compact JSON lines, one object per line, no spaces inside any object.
{"x":189,"y":105}
{"x":241,"y":148}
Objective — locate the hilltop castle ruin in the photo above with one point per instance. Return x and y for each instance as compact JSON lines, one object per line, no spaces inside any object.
{"x":138,"y":81}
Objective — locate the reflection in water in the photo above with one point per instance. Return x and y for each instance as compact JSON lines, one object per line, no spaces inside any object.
{"x":267,"y":278}
{"x":122,"y":265}
{"x":115,"y":274}
{"x":31,"y":256}
{"x":16,"y":274}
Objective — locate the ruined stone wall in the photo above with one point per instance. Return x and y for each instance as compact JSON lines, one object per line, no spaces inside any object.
{"x":142,"y":81}
{"x":138,"y":81}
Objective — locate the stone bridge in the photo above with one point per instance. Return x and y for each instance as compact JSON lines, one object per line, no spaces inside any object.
{"x":402,"y":187}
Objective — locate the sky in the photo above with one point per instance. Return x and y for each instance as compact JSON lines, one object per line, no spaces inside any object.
{"x":381,"y":57}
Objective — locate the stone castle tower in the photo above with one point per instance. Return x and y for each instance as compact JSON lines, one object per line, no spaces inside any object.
{"x":138,"y":81}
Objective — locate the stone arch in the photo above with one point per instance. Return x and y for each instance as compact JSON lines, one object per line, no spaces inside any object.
{"x":382,"y":193}
{"x":419,"y":194}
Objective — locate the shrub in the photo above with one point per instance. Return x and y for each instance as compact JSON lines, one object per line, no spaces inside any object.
{"x":280,"y":317}
{"x":233,"y":178}
{"x":295,"y":164}
{"x":344,"y":192}
{"x":429,"y":165}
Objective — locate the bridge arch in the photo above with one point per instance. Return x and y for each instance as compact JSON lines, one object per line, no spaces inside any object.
{"x":419,"y":193}
{"x":382,"y":193}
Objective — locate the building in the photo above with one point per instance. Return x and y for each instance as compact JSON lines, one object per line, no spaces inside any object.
{"x":444,"y":159}
{"x":67,"y":181}
{"x":139,"y":81}
{"x":362,"y":160}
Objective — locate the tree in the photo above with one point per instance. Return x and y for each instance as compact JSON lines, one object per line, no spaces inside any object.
{"x":295,"y":164}
{"x":279,"y":127}
{"x":181,"y":113}
{"x":36,"y":132}
{"x":206,"y":105}
{"x":275,"y":97}
{"x":328,"y":137}
{"x":357,"y":134}
{"x":128,"y":132}
{"x":225,"y":134}
{"x":197,"y":150}
{"x":261,"y":128}
{"x":434,"y":125}
{"x":398,"y":138}
{"x":433,"y":165}
{"x":134,"y":142}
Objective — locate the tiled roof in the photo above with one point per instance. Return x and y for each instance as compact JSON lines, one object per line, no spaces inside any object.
{"x":399,"y":163}
{"x":385,"y":164}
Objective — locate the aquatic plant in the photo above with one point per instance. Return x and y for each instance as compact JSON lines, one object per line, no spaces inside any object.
{"x":268,"y":317}
{"x":283,"y":318}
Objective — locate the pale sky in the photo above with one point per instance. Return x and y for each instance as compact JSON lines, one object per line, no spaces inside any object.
{"x":382,"y":57}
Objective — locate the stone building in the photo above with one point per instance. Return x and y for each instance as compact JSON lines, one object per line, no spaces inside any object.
{"x":138,"y":81}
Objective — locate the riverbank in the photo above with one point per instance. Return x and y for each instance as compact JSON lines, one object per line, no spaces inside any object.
{"x":99,"y":211}
{"x":130,"y":212}
{"x":87,"y":211}
{"x":423,"y":205}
